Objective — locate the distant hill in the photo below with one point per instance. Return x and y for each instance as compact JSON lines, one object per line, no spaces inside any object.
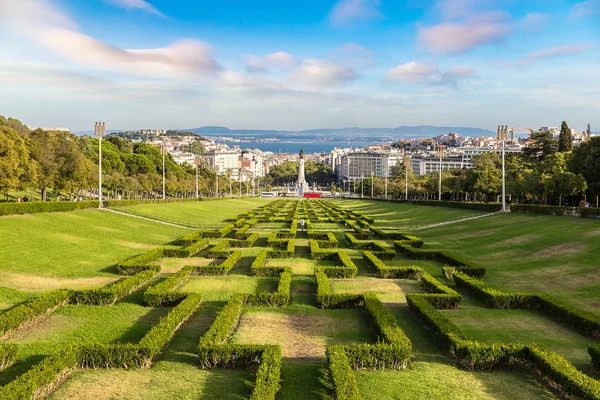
{"x":421,"y":130}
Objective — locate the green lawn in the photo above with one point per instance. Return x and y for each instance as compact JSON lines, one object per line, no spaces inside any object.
{"x":220,"y":288}
{"x":553,"y":255}
{"x":404,"y":216}
{"x":207,"y":214}
{"x":57,"y":247}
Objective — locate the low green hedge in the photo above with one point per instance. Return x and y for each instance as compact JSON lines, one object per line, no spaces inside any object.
{"x":385,"y":272}
{"x":141,"y":262}
{"x":445,"y":257}
{"x":246,"y":242}
{"x":164,"y":292}
{"x":221,"y":269}
{"x":8,"y":354}
{"x":241,"y":233}
{"x":268,"y":374}
{"x":581,"y":320}
{"x":493,"y":298}
{"x":583,"y":212}
{"x":327,"y":299}
{"x":40,"y":378}
{"x":594,"y":352}
{"x":32,"y":309}
{"x":329,"y":243}
{"x":288,"y":252}
{"x":112,"y":293}
{"x":344,"y":382}
{"x":346,"y":269}
{"x":223,"y":326}
{"x":220,"y":250}
{"x":45,"y":206}
{"x":473,"y":272}
{"x":279,"y":298}
{"x":489,"y":207}
{"x":443,"y":297}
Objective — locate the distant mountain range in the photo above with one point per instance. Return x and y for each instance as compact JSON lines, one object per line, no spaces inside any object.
{"x":421,"y":130}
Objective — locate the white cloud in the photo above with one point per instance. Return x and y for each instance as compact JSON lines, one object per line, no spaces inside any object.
{"x":465,"y":25}
{"x":321,"y":74}
{"x":534,"y":19}
{"x":137,"y":4}
{"x":278,"y":60}
{"x":43,"y":24}
{"x":354,"y":55}
{"x":412,"y":72}
{"x":555,"y":51}
{"x":587,"y":8}
{"x":346,"y":12}
{"x":415,"y":72}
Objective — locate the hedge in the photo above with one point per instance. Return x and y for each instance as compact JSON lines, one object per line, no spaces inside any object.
{"x":220,"y":250}
{"x":40,"y":378}
{"x":32,"y":309}
{"x":246,"y":242}
{"x":34,"y":207}
{"x":224,"y":324}
{"x":450,"y":259}
{"x":583,"y":212}
{"x":241,"y":233}
{"x":329,"y":243}
{"x":493,"y":298}
{"x":112,"y":293}
{"x":268,"y":374}
{"x":8,"y":354}
{"x":347,"y":269}
{"x":489,"y":207}
{"x":327,"y":299}
{"x":594,"y":352}
{"x":344,"y":382}
{"x":289,"y":252}
{"x":279,"y":298}
{"x":164,"y":292}
{"x":385,"y":272}
{"x":221,"y":269}
{"x":141,"y":262}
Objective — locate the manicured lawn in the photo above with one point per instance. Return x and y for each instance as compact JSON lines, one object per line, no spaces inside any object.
{"x":428,"y":380}
{"x":404,"y":216}
{"x":522,"y":326}
{"x":387,"y":290}
{"x":206,"y":214}
{"x":220,"y":288}
{"x":303,"y":331}
{"x":531,"y":253}
{"x":79,"y":244}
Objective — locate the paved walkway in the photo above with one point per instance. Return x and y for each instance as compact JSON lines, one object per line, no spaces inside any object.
{"x":455,"y":221}
{"x":149,"y":219}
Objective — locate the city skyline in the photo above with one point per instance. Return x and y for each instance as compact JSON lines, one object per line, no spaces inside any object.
{"x":295,"y":66}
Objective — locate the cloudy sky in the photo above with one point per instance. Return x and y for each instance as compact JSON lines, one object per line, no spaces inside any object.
{"x":295,"y":65}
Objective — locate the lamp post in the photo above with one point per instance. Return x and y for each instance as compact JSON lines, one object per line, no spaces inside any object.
{"x":441,"y":151}
{"x":216,"y":181}
{"x":362,"y":186}
{"x":163,"y":150}
{"x":503,"y":180}
{"x":354,"y":186}
{"x":197,"y":162}
{"x":99,"y":131}
{"x":371,"y":183}
{"x":406,"y":161}
{"x":386,"y":171}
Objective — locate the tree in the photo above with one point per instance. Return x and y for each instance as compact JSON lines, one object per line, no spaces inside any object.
{"x":588,"y":131}
{"x":565,"y":139}
{"x":16,"y":168}
{"x":542,"y":145}
{"x":586,"y":161}
{"x":486,"y":177}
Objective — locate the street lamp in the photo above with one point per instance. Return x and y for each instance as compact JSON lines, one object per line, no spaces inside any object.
{"x":371,"y":182}
{"x":99,"y":131}
{"x":163,"y":150}
{"x":362,"y":186}
{"x":197,"y":162}
{"x":503,"y":180}
{"x":441,"y":153}
{"x":406,"y":165}
{"x":386,"y":171}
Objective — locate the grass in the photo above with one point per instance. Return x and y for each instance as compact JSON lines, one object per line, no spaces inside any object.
{"x":124,"y":322}
{"x":208,"y":214}
{"x":522,"y":326}
{"x":303,"y":331}
{"x":77,"y":244}
{"x":404,"y":216}
{"x":426,"y":380}
{"x":531,"y":253}
{"x":387,"y":290}
{"x":220,"y":288}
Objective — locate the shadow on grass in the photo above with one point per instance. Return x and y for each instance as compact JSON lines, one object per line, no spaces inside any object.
{"x":305,"y":378}
{"x":220,"y":382}
{"x":304,"y":290}
{"x":242,"y":267}
{"x":19,"y":368}
{"x":142,"y":325}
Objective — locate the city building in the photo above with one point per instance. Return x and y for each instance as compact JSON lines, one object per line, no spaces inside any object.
{"x":360,"y":164}
{"x":55,"y":129}
{"x":224,"y":160}
{"x":183,"y":158}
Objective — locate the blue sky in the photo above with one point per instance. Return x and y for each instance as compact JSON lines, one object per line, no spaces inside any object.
{"x":300,"y":65}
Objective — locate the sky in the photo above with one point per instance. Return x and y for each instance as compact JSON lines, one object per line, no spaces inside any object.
{"x":293,"y":65}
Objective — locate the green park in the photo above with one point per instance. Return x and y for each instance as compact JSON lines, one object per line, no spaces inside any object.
{"x":298,"y":299}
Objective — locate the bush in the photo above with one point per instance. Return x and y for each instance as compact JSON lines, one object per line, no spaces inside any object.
{"x":489,"y":207}
{"x":439,"y":325}
{"x":329,"y":243}
{"x":444,"y":297}
{"x":39,"y":378}
{"x":195,"y":248}
{"x":594,"y":352}
{"x":280,"y":298}
{"x":8,"y":354}
{"x":47,"y":206}
{"x":220,"y":250}
{"x":385,"y":272}
{"x":112,"y":293}
{"x":268,"y":374}
{"x":326,"y":299}
{"x":221,"y":269}
{"x":242,"y":232}
{"x":583,"y":321}
{"x":164,"y":292}
{"x":224,"y":324}
{"x":141,"y":262}
{"x":493,"y":298}
{"x":344,"y":382}
{"x":32,"y":309}
{"x":556,"y":210}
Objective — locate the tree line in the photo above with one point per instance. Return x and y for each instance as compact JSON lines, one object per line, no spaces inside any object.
{"x":67,"y":165}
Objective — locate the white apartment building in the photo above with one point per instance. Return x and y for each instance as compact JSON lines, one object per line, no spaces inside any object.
{"x":154,"y":132}
{"x":426,"y":164}
{"x":223,"y":160}
{"x":184,"y":158}
{"x":362,"y":164}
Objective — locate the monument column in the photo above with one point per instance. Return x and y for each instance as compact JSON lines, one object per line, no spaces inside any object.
{"x":302,"y":185}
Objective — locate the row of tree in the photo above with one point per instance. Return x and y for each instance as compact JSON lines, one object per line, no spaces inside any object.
{"x":68,"y":165}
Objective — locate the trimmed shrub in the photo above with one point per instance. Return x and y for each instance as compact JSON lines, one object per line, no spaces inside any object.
{"x":242,"y":232}
{"x":35,"y":207}
{"x":329,"y":243}
{"x":112,"y":293}
{"x":8,"y":354}
{"x":280,"y":298}
{"x":449,"y":298}
{"x":195,"y":248}
{"x":556,"y":210}
{"x":268,"y":374}
{"x":141,"y":262}
{"x":385,"y":272}
{"x":221,"y":269}
{"x":164,"y":292}
{"x":32,"y":309}
{"x":220,"y":250}
{"x":327,"y":299}
{"x":344,"y":382}
{"x":493,"y":298}
{"x":224,"y":324}
{"x":583,"y":321}
{"x":594,"y":352}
